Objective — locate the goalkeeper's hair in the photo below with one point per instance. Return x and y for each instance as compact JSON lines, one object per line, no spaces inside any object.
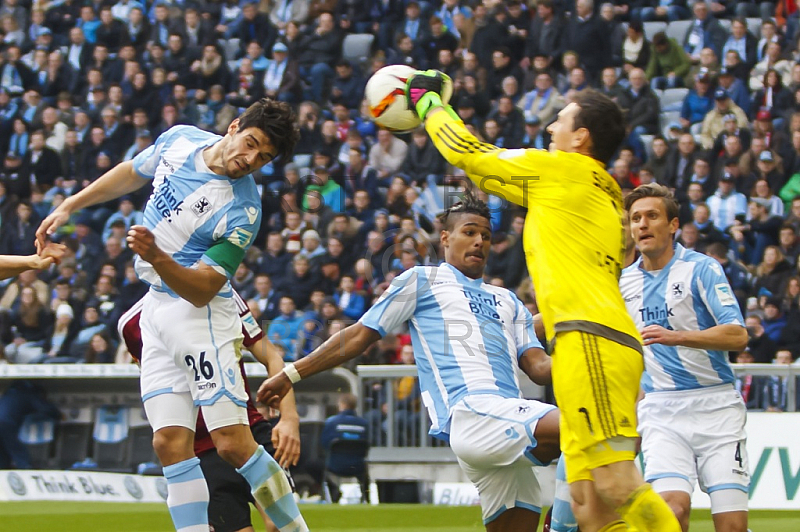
{"x":469,"y":204}
{"x":603,"y":119}
{"x":653,"y":190}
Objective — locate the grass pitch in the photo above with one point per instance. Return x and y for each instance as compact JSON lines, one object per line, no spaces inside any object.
{"x":140,"y":517}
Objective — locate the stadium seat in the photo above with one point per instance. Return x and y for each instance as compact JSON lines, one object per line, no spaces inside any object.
{"x":672,"y":97}
{"x":677,"y":30}
{"x":310,"y":434}
{"x":651,"y":28}
{"x":647,"y":141}
{"x":74,"y":432}
{"x":140,"y":436}
{"x":357,"y":47}
{"x":667,"y":117}
{"x":111,"y":438}
{"x":754,"y":26}
{"x":231,"y":47}
{"x":725,"y":23}
{"x":38,"y":434}
{"x":350,"y":449}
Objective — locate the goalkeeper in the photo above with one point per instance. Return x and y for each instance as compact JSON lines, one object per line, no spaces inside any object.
{"x":574,"y":245}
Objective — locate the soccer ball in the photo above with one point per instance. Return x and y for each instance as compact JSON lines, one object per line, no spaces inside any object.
{"x":385,"y":94}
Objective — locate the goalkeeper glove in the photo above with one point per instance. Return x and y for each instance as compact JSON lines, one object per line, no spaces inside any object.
{"x":423,"y":91}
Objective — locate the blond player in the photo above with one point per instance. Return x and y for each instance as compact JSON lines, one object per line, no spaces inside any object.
{"x":574,"y":245}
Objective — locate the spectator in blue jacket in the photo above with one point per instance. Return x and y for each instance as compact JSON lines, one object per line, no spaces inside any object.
{"x":346,"y":425}
{"x":735,"y":88}
{"x":348,"y":86}
{"x":698,"y":102}
{"x":351,"y":304}
{"x":284,"y":330}
{"x":127,"y":213}
{"x":774,"y":319}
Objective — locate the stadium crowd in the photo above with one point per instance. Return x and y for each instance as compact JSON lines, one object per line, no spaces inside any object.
{"x":85,"y":85}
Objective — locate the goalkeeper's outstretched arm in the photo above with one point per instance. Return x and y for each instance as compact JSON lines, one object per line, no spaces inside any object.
{"x":497,"y":171}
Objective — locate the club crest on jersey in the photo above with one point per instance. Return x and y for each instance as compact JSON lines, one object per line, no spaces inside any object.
{"x":202,"y":206}
{"x":678,"y":290}
{"x":165,"y":202}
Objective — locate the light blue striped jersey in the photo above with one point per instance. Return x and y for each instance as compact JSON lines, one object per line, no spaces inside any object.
{"x":191,"y":207}
{"x":690,"y":293}
{"x":467,"y":335}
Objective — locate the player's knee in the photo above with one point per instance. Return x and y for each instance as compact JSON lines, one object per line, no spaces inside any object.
{"x":681,"y":505}
{"x":231,"y":453}
{"x":580,"y":502}
{"x":614,"y":486}
{"x":173,"y":444}
{"x":682,"y":514}
{"x":234,"y":444}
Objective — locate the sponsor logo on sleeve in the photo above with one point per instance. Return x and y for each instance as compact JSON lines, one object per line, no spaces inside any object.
{"x":724,"y":294}
{"x":240,"y":237}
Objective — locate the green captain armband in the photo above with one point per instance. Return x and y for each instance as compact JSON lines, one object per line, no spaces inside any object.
{"x":224,"y":255}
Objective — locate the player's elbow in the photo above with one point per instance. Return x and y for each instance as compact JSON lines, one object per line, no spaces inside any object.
{"x":363,"y":337}
{"x":741,"y":339}
{"x":200,"y":302}
{"x":206,"y":289}
{"x":201,"y":298}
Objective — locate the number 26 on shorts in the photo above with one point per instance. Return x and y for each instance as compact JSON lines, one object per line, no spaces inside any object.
{"x":204,"y":366}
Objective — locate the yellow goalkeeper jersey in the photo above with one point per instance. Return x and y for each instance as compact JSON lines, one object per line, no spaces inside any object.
{"x":573,"y":236}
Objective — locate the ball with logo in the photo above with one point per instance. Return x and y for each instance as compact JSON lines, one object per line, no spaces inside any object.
{"x":386,"y":98}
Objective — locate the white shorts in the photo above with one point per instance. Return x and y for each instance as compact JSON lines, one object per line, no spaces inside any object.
{"x":492,"y":438}
{"x":190,"y":350}
{"x":697,"y":436}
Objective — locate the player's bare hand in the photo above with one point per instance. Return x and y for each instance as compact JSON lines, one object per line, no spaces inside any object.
{"x":48,"y":227}
{"x":656,"y":334}
{"x":142,"y":242}
{"x":286,"y":440}
{"x":51,"y":253}
{"x":274,"y":389}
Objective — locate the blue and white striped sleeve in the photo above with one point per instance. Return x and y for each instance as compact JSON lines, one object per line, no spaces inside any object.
{"x":715,"y":292}
{"x":396,"y":306}
{"x":524,"y":333}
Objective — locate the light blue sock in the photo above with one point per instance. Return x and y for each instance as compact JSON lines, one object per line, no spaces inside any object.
{"x":272,"y":490}
{"x":562,"y":519}
{"x":187,"y":496}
